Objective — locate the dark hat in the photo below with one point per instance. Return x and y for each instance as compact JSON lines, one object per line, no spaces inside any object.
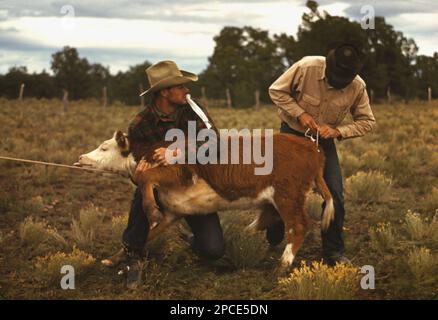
{"x":343,"y":63}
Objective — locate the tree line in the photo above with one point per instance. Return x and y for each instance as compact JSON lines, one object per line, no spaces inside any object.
{"x":246,"y":60}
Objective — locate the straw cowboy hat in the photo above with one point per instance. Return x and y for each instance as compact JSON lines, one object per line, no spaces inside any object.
{"x":166,"y":74}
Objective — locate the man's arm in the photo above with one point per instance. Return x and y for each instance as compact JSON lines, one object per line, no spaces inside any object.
{"x":283,"y":91}
{"x":363,"y":118}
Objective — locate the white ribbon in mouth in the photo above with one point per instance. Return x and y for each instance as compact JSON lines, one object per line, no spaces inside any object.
{"x":198,"y":111}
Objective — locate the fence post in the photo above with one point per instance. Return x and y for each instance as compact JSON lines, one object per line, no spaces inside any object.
{"x":20,"y":97}
{"x":388,"y":94}
{"x":371,"y":95}
{"x":229,"y":104}
{"x":204,"y":98}
{"x":104,"y":97}
{"x":257,"y":99}
{"x":65,"y":100}
{"x":142,"y":97}
{"x":429,"y":94}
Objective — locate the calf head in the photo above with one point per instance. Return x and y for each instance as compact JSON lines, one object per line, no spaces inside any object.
{"x":112,"y":154}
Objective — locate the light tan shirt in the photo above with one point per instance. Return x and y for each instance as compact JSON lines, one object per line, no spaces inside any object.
{"x":304,"y":88}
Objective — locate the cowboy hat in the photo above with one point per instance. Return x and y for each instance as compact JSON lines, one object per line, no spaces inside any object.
{"x":343,"y":63}
{"x":166,"y":74}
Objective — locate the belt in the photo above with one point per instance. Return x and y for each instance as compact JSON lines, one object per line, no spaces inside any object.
{"x":286,"y":129}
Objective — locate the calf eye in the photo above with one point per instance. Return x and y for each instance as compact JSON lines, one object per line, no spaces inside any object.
{"x":104,"y":148}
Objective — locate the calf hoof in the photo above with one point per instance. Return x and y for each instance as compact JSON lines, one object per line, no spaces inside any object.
{"x":155,"y":218}
{"x":115,"y":259}
{"x":107,"y":263}
{"x":282,"y":270}
{"x":153,"y":225}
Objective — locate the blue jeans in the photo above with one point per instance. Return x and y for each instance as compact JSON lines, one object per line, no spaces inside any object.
{"x":332,"y":239}
{"x":208,"y":238}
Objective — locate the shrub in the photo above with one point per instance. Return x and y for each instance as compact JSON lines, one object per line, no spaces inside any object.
{"x":350,"y":164}
{"x":40,"y":236}
{"x":421,"y":229}
{"x":373,"y":160}
{"x":89,"y":223}
{"x":434,"y":227}
{"x":36,"y":204}
{"x":433,"y":164}
{"x":430,"y":203}
{"x":118,"y":225}
{"x":422,"y":263}
{"x":320,"y":282}
{"x":416,"y":227}
{"x":243,"y":248}
{"x":382,"y":237}
{"x":368,"y":187}
{"x":49,"y":266}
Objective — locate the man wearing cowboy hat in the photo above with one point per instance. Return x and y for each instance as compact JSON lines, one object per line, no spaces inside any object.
{"x":316,"y":93}
{"x":168,"y":109}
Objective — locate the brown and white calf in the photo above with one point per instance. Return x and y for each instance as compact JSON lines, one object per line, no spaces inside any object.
{"x":192,"y":189}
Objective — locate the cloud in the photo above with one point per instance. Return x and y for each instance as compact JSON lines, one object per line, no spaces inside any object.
{"x":175,"y":10}
{"x":391,"y":8}
{"x":416,"y":19}
{"x":123,"y":42}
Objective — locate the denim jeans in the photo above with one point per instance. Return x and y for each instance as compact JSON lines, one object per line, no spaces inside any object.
{"x":332,"y":239}
{"x":208,"y":237}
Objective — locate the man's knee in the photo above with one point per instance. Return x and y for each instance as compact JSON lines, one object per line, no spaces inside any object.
{"x":335,"y":186}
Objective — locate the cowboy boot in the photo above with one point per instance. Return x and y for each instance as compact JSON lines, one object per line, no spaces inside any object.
{"x":131,"y":262}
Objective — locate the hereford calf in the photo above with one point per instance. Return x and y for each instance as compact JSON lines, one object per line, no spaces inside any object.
{"x":191,"y":189}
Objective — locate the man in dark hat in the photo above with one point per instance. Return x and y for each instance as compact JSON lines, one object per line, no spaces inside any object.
{"x":316,"y":93}
{"x":167,"y":110}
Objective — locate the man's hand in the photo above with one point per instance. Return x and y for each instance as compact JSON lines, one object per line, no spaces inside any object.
{"x":142,"y":167}
{"x":307,"y":121}
{"x":326,"y":132}
{"x":160,"y":156}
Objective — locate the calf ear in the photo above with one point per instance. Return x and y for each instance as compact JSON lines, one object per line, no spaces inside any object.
{"x":121,"y":140}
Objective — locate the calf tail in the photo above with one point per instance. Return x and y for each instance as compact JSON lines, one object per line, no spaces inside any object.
{"x":329,"y":211}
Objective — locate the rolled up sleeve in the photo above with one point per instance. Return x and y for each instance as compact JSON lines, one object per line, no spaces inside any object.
{"x":363,"y":118}
{"x":281,"y":91}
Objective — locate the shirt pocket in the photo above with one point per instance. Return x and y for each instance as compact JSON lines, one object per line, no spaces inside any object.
{"x":310,"y":104}
{"x":337,"y":110}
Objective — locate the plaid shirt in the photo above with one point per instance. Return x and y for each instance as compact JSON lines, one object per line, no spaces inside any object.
{"x":150,"y":125}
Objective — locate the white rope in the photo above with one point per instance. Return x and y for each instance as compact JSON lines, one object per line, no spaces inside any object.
{"x":57,"y":165}
{"x":308,"y":134}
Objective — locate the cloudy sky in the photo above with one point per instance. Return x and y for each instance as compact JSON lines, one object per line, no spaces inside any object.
{"x":127,"y":32}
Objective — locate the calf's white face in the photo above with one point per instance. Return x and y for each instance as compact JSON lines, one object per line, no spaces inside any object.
{"x":112,"y":154}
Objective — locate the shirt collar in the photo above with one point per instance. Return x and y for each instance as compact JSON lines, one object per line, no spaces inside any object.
{"x":160,"y":116}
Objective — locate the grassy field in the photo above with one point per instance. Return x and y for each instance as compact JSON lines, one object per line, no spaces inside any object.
{"x":50,"y":217}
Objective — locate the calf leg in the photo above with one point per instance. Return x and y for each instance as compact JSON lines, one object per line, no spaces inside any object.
{"x":150,"y":207}
{"x":291,"y":210}
{"x":166,"y":222}
{"x":267,"y":217}
{"x":148,"y":182}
